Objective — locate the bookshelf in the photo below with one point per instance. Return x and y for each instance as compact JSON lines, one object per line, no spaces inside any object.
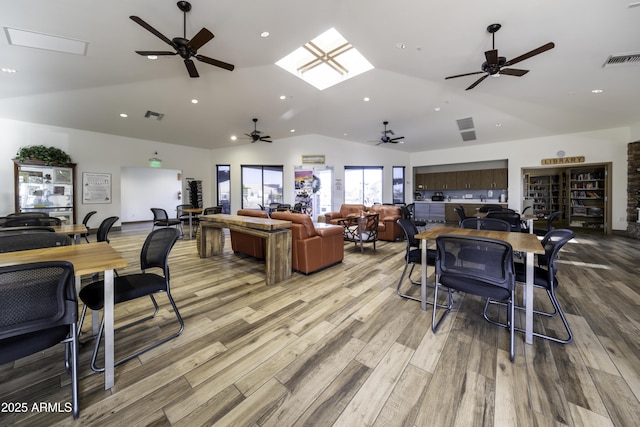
{"x":546,"y":193}
{"x":587,"y":197}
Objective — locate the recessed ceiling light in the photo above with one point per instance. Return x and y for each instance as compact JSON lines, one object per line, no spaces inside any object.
{"x":401,"y":45}
{"x":8,"y":70}
{"x":264,"y":34}
{"x":366,"y":99}
{"x":597,"y":91}
{"x":124,"y":115}
{"x":283,"y":97}
{"x":292,"y":130}
{"x":498,"y":125}
{"x":152,"y":57}
{"x":233,"y":137}
{"x":194,"y":101}
{"x":437,"y":109}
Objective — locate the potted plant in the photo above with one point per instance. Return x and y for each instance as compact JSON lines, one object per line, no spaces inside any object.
{"x":50,"y":156}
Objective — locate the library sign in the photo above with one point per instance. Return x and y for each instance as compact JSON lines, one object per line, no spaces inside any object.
{"x":563,"y":160}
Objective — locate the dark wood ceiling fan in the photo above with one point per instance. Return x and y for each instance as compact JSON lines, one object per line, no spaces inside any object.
{"x":184,"y":47}
{"x":496,"y":65}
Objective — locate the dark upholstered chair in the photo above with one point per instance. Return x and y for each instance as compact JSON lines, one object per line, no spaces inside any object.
{"x":513,"y":218}
{"x":490,"y":275}
{"x":25,"y":240}
{"x":38,"y":310}
{"x":545,"y":277}
{"x":154,"y":254}
{"x":85,"y":221}
{"x":161,"y":219}
{"x":412,"y":256}
{"x":495,"y":224}
{"x":549,"y":224}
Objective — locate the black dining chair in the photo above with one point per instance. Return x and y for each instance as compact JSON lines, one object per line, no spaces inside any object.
{"x":545,"y":277}
{"x":549,"y":224}
{"x":85,"y":222}
{"x":31,"y":239}
{"x":154,"y":254}
{"x":38,"y":310}
{"x":412,"y":256}
{"x":495,"y":224}
{"x":490,"y":275}
{"x":161,"y":219}
{"x":513,"y":218}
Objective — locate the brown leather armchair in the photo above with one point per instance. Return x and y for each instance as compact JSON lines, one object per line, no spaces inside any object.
{"x":346,"y":210}
{"x":246,"y":244}
{"x":388,"y":216}
{"x":314,"y":245}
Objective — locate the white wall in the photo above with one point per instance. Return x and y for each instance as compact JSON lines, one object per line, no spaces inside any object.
{"x":597,"y":147}
{"x":145,"y":188}
{"x":95,"y":152}
{"x":288,"y":152}
{"x":98,"y":152}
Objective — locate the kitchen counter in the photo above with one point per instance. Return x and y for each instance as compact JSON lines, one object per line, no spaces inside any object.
{"x":428,"y":210}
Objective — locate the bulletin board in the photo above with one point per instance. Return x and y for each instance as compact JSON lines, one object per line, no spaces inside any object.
{"x":96,"y":187}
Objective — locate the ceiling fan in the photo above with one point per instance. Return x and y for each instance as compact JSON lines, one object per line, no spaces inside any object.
{"x":385,"y":135}
{"x":255,"y":135}
{"x":494,"y":64}
{"x":184,"y":47}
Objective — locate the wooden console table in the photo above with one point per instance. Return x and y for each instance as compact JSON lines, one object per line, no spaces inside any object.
{"x":276,"y":233}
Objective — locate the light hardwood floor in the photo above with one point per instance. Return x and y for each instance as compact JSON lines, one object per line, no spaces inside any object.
{"x":340,"y":348}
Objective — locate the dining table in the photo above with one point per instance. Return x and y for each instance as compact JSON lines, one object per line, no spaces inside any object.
{"x":74,"y":230}
{"x":87,"y":260}
{"x":526,"y":243}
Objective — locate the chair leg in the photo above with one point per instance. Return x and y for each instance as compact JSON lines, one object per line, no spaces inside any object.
{"x":435,"y":325}
{"x":512,"y":353}
{"x":71,"y":365}
{"x":96,"y":349}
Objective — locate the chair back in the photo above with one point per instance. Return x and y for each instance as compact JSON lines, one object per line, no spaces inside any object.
{"x":87,"y":217}
{"x":410,"y":230}
{"x":21,"y":221}
{"x":492,"y":263}
{"x":105,"y":226}
{"x":25,"y":240}
{"x":495,"y":224}
{"x":552,"y":242}
{"x":159,"y":214}
{"x":213,"y":210}
{"x":460,"y":211}
{"x":22,"y":230}
{"x":179,"y":211}
{"x":156,"y":248}
{"x":35,"y":297}
{"x":489,"y":208}
{"x":552,"y":218}
{"x":32,"y":214}
{"x":513,"y":218}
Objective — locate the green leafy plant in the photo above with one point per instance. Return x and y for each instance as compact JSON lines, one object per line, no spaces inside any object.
{"x":48,"y":155}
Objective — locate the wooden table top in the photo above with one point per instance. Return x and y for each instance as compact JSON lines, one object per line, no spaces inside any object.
{"x":70,"y":228}
{"x":192,"y":210}
{"x":86,"y":259}
{"x":267,"y":224}
{"x":521,"y":242}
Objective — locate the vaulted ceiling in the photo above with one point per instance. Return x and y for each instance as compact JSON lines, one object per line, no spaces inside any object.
{"x":407,"y":87}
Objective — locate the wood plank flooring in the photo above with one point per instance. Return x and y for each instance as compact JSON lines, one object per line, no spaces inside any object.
{"x":340,"y":348}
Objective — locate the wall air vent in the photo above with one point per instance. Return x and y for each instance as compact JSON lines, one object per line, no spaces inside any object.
{"x":622,"y":59}
{"x":468,"y":135}
{"x":464,"y":124}
{"x":157,"y":116}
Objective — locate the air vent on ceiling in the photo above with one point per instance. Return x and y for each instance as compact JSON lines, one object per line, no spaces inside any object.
{"x":464,"y":124}
{"x":468,"y":135}
{"x":622,"y":59}
{"x":157,"y":116}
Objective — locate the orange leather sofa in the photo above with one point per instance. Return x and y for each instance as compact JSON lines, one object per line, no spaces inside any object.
{"x":388,"y":228}
{"x":246,"y":244}
{"x":346,"y":210}
{"x":313,"y":245}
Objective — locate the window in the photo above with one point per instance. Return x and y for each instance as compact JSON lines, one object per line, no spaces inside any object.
{"x":224,"y":187}
{"x":398,"y":184}
{"x":261,"y":186}
{"x":363,"y":185}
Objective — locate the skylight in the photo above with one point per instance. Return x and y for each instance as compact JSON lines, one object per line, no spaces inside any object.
{"x":327,"y":60}
{"x":26,"y":38}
